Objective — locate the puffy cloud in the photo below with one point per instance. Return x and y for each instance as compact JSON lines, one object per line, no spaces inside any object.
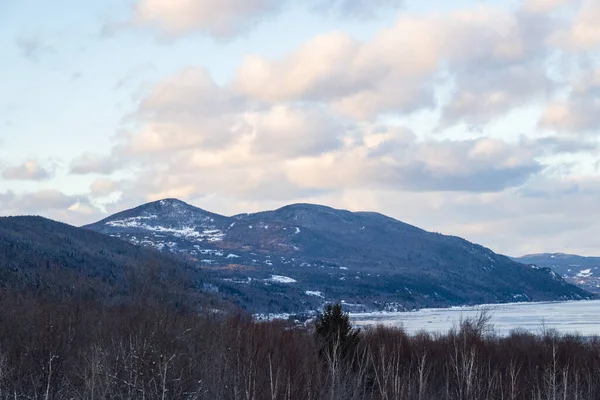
{"x":294,"y":131}
{"x":583,"y":33}
{"x":30,"y":170}
{"x":544,"y":6}
{"x":51,"y":203}
{"x":185,"y":111}
{"x":90,"y":163}
{"x":357,"y":8}
{"x":359,"y":79}
{"x":483,"y":96}
{"x":471,"y":165}
{"x":103,"y":187}
{"x":195,"y":137}
{"x":190,"y":113}
{"x":580,"y":111}
{"x":227,"y":18}
{"x":397,"y":71}
{"x":223,"y":18}
{"x":575,"y":115}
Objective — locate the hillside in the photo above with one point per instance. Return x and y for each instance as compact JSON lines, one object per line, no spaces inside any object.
{"x":301,"y":255}
{"x":60,"y":260}
{"x":578,"y":270}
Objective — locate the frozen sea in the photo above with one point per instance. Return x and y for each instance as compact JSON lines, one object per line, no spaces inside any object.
{"x":581,"y":317}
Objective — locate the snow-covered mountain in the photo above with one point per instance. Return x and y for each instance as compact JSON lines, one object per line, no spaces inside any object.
{"x":578,"y":270}
{"x":301,"y":255}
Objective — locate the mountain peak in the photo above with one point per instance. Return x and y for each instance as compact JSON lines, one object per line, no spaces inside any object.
{"x":168,"y":216}
{"x":168,"y":203}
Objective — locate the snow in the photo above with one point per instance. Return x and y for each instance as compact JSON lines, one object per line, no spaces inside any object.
{"x":585,"y":273}
{"x":188,"y":232}
{"x":271,"y":317}
{"x":344,"y":268}
{"x":297,"y":230}
{"x":565,"y":317}
{"x":281,"y":279}
{"x":314,"y":293}
{"x":209,"y":251}
{"x":232,"y":256}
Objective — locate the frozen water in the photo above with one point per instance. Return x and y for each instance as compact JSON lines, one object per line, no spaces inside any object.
{"x":566,"y":317}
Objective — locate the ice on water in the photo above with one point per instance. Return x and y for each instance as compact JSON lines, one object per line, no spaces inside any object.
{"x":581,"y":317}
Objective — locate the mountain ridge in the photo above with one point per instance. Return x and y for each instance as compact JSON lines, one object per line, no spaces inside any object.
{"x":367,"y":259}
{"x":59,"y":259}
{"x":582,"y":271}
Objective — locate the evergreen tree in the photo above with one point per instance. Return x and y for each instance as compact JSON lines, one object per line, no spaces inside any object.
{"x":334,"y":333}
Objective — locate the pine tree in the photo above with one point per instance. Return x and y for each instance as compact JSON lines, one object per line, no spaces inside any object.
{"x":334,"y":333}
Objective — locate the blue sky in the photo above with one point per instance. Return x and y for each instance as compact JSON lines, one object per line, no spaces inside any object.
{"x":473,"y":118}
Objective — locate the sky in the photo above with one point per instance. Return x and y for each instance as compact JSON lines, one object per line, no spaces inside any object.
{"x":476,"y":118}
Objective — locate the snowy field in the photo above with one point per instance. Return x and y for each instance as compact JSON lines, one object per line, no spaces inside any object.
{"x":581,"y":317}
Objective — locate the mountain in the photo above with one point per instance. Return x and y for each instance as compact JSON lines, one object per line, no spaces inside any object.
{"x":299,"y":256}
{"x":57,"y":259}
{"x":581,"y":271}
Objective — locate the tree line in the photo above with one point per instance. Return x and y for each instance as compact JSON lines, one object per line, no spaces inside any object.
{"x":76,"y":347}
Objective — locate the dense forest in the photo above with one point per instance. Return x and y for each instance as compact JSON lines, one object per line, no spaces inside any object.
{"x":61,"y":345}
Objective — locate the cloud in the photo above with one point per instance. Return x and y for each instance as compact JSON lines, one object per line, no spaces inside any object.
{"x":483,"y":96}
{"x":90,"y":163}
{"x":184,"y":111}
{"x":228,"y":18}
{"x":494,"y":58}
{"x":37,"y":201}
{"x":583,"y":33}
{"x":50,"y":203}
{"x":580,"y":111}
{"x":479,"y":165}
{"x":195,"y":138}
{"x":28,"y":171}
{"x":190,"y":113}
{"x":357,"y":8}
{"x":544,"y":6}
{"x":222,"y":19}
{"x":358,"y":79}
{"x":103,"y":187}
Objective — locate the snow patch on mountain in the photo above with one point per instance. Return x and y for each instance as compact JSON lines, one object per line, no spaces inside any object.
{"x":281,"y":279}
{"x":187,"y":232}
{"x":585,"y":273}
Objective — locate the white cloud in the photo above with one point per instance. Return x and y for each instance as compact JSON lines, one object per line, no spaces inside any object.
{"x":30,"y":170}
{"x":103,"y":187}
{"x":224,"y":18}
{"x":227,"y":18}
{"x":472,"y":165}
{"x":397,"y":71}
{"x":50,"y":203}
{"x":90,"y":163}
{"x":356,"y":8}
{"x":583,"y":33}
{"x":545,"y":6}
{"x":580,"y":111}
